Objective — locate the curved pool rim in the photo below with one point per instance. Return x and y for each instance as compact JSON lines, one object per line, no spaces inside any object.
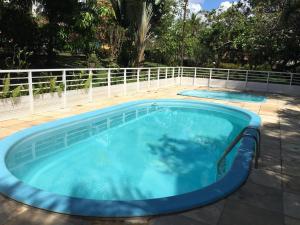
{"x":13,"y":188}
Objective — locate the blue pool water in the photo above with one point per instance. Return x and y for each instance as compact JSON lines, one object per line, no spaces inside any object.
{"x":113,"y":162}
{"x":224,"y":95}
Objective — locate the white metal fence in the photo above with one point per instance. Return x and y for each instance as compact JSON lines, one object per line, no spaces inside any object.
{"x":30,"y":88}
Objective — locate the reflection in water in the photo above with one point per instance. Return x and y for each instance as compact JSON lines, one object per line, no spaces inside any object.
{"x":147,"y":152}
{"x":58,"y":140}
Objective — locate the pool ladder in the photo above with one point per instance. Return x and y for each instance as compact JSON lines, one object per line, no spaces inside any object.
{"x":221,"y":167}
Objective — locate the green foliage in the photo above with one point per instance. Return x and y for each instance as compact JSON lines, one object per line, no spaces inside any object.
{"x":19,"y":59}
{"x":6,"y":87}
{"x":93,"y":61}
{"x":87,"y":83}
{"x":60,"y":89}
{"x":16,"y":92}
{"x":52,"y":85}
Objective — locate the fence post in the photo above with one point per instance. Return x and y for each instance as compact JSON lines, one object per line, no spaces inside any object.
{"x":125,"y":82}
{"x":91,"y":86}
{"x":166,"y":74}
{"x":173,"y":74}
{"x":210,"y":75}
{"x":138,"y":80}
{"x":108,"y":83}
{"x":246,"y":79}
{"x":291,"y":79}
{"x":149,"y":74}
{"x":195,"y":76}
{"x":30,"y":89}
{"x":181,"y":74}
{"x":227,"y":79}
{"x":64,"y":80}
{"x":268,"y":81}
{"x":158,"y":72}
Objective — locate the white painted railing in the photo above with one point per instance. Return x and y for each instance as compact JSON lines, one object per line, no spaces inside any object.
{"x":39,"y":85}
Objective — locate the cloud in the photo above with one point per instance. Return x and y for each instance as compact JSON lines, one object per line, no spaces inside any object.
{"x":224,"y":6}
{"x":194,"y":7}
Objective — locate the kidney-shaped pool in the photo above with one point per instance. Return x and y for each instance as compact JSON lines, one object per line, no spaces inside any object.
{"x":135,"y":159}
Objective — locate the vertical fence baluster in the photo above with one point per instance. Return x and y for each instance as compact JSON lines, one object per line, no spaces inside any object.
{"x":246,"y":79}
{"x":125,"y":82}
{"x":210,"y":75}
{"x":195,"y":76}
{"x":30,"y":89}
{"x":158,"y":73}
{"x":268,"y":78}
{"x":173,"y":74}
{"x":138,"y":80}
{"x":166,"y":75}
{"x":108,"y":82}
{"x":149,"y":74}
{"x":291,"y":79}
{"x":181,"y":74}
{"x":91,"y":86}
{"x":64,"y":80}
{"x":227,"y":78}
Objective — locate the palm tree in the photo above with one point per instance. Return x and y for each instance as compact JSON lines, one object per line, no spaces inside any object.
{"x":135,"y":15}
{"x":183,"y":29}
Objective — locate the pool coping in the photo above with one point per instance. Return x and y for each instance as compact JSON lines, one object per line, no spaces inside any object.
{"x":13,"y":188}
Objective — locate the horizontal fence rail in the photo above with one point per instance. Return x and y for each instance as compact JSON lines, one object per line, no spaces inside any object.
{"x":33,"y":83}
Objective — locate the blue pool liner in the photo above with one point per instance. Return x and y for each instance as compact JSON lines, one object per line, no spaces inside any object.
{"x":224,"y":95}
{"x":13,"y":188}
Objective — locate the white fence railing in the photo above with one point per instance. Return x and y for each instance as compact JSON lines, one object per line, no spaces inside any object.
{"x":33,"y":87}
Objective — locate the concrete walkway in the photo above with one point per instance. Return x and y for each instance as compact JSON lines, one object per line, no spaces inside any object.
{"x":271,"y":195}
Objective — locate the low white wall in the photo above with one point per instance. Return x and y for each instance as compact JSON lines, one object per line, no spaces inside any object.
{"x":242,"y":85}
{"x":21,"y":106}
{"x":10,"y":109}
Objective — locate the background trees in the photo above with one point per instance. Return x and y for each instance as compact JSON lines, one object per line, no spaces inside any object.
{"x":253,"y":34}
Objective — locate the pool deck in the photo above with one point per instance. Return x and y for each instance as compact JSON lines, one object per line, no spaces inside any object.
{"x":271,"y":195}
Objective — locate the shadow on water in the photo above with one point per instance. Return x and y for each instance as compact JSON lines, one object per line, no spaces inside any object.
{"x":193,"y":162}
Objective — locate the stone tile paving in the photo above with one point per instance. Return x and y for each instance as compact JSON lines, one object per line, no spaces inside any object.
{"x":270,"y":196}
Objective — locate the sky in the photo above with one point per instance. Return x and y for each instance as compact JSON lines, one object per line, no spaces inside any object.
{"x":197,"y":5}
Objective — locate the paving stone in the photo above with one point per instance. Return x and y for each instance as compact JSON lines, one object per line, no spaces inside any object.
{"x":236,"y":213}
{"x":9,"y":209}
{"x":175,"y":220}
{"x":291,"y":221}
{"x":291,"y":184}
{"x":37,"y":217}
{"x":266,"y":178}
{"x":271,"y":163}
{"x":100,"y":221}
{"x":291,"y":168}
{"x":291,"y":203}
{"x":259,"y":196}
{"x":208,"y":214}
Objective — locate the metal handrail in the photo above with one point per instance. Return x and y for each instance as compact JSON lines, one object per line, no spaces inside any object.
{"x":235,"y":142}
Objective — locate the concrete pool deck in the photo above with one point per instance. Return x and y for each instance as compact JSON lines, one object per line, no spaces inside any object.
{"x":271,"y":195}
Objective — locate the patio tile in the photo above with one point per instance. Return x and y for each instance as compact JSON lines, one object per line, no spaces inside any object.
{"x":236,"y":213}
{"x":271,"y":163}
{"x":291,"y":221}
{"x":291,"y":184}
{"x":208,"y":214}
{"x":291,"y":203}
{"x":266,"y":178}
{"x":37,"y":217}
{"x":9,"y":210}
{"x":291,"y":167}
{"x":5,"y":132}
{"x":259,"y":196}
{"x":175,"y":220}
{"x":11,"y":122}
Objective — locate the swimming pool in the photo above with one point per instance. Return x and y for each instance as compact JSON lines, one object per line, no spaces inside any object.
{"x":224,"y":95}
{"x":135,"y":159}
